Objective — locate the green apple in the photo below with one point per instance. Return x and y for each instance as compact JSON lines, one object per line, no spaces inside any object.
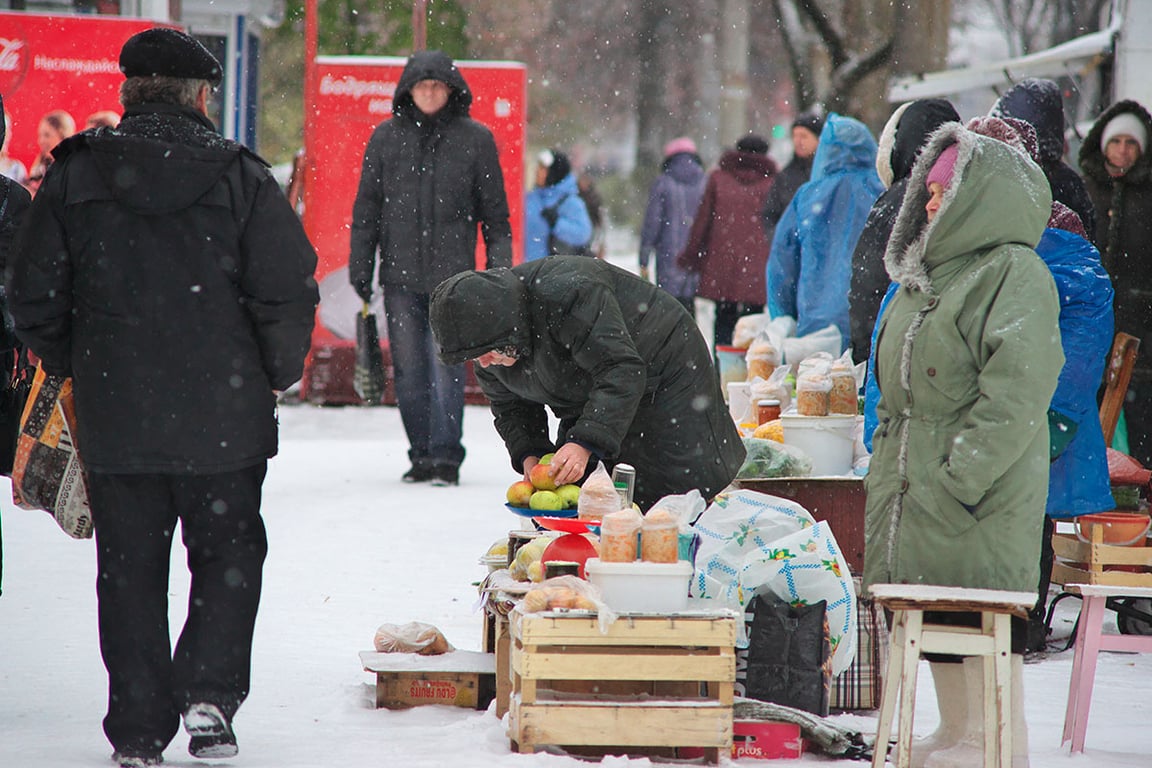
{"x":569,"y":494}
{"x":547,"y":501}
{"x":547,"y":458}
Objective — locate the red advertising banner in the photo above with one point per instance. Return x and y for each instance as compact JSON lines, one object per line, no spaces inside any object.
{"x":59,"y":62}
{"x":354,"y":95}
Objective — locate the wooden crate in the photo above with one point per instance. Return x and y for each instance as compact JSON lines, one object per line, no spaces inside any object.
{"x":650,"y":683}
{"x":1091,"y":562}
{"x":459,"y":678}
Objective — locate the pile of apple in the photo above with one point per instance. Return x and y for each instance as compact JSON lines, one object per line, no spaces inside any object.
{"x":541,"y":492}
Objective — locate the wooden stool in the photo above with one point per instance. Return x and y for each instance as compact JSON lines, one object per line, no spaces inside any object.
{"x":1089,"y":642}
{"x":911,"y":637}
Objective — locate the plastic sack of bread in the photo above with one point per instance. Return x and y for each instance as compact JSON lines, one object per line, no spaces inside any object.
{"x":768,"y":458}
{"x":747,"y":329}
{"x":843,"y":398}
{"x":568,"y":593}
{"x":762,"y":358}
{"x":413,"y":637}
{"x":598,"y":496}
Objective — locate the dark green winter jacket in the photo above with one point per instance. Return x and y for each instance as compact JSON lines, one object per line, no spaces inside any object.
{"x":617,"y":360}
{"x":967,"y":358}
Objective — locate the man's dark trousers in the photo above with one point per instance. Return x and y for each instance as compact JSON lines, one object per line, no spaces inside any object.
{"x":135,"y":519}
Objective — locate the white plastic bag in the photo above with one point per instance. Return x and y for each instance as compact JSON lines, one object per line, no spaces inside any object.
{"x":734,"y":524}
{"x":826,"y":339}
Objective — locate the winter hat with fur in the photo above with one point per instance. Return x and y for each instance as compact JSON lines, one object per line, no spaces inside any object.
{"x":679,"y":145}
{"x":754,"y":144}
{"x":1124,"y":123}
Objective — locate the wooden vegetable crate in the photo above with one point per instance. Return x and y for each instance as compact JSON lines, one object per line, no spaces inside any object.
{"x":651,"y":684}
{"x":1092,"y":562}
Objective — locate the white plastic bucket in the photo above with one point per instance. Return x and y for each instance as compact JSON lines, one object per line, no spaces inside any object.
{"x":641,"y":587}
{"x":827,"y":440}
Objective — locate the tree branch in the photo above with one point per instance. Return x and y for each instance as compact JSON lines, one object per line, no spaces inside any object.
{"x":832,"y":39}
{"x":789,"y":35}
{"x":845,"y":78}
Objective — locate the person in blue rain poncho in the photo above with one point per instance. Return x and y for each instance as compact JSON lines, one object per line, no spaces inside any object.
{"x":556,"y":220}
{"x":810,"y":266}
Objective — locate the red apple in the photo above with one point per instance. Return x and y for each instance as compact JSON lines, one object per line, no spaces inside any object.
{"x":520,"y":492}
{"x":541,"y":477}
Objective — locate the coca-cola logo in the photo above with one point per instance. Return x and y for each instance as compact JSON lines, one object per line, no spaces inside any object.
{"x":13,"y":63}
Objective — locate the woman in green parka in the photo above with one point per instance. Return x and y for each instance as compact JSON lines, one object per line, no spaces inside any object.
{"x":617,"y":360}
{"x":967,"y":358}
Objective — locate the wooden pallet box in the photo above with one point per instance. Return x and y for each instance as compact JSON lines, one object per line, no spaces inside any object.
{"x":1092,"y":562}
{"x":650,"y":683}
{"x":459,"y":679}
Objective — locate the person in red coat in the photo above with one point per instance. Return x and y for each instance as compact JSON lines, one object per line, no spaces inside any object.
{"x":726,"y":245}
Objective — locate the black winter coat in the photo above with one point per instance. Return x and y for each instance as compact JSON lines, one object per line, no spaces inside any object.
{"x":14,"y":203}
{"x":163,"y":269}
{"x":869,"y":276}
{"x":780,"y":194}
{"x":619,"y":361}
{"x":1124,"y":231}
{"x":426,"y":182}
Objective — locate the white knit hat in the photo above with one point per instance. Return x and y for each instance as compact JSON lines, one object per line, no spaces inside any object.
{"x":1128,"y":124}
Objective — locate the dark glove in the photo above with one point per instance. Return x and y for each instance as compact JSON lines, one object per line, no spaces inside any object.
{"x":363,"y":290}
{"x":550,"y":215}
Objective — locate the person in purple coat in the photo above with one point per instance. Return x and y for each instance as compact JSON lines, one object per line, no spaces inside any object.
{"x":672,"y":204}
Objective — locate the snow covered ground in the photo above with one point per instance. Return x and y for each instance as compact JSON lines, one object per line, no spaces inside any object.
{"x":352,"y":547}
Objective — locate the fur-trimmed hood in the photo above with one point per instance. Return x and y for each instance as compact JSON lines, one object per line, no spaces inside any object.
{"x":1092,"y":156}
{"x":983,"y":207}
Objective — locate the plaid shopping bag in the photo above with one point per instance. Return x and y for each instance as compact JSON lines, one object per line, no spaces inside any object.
{"x":47,"y":473}
{"x":860,"y":686}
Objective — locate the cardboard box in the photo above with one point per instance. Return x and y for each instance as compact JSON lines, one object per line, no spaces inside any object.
{"x":458,"y":679}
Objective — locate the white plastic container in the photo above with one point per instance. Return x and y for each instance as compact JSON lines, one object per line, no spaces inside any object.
{"x":641,"y":587}
{"x":827,"y":440}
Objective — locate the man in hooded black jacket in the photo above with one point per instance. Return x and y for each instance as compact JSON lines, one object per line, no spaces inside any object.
{"x":430,"y":175}
{"x":161,"y":267}
{"x":617,"y":360}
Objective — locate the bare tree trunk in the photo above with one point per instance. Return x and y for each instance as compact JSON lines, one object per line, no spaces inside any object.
{"x":651,"y":111}
{"x":733,"y":70}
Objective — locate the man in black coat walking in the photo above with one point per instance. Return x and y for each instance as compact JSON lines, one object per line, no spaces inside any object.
{"x":161,"y":267}
{"x":430,"y":175}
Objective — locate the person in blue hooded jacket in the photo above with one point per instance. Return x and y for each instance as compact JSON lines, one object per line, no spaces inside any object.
{"x":810,"y":266}
{"x":556,"y":221}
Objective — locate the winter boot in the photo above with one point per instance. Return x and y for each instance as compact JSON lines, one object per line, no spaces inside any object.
{"x":211,"y":733}
{"x":949,"y":681}
{"x":969,"y":751}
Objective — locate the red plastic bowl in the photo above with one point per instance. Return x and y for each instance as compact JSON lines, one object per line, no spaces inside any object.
{"x":569,"y":548}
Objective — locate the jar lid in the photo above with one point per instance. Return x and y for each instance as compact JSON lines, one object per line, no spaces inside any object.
{"x":768,"y":402}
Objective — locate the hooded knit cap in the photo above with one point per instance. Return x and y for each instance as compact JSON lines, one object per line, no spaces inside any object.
{"x":1123,"y":124}
{"x":165,"y":52}
{"x":677,"y":146}
{"x":475,"y":312}
{"x":753,"y":144}
{"x":1018,"y":134}
{"x":810,"y":120}
{"x":1040,"y":103}
{"x":557,"y":164}
{"x":944,"y":166}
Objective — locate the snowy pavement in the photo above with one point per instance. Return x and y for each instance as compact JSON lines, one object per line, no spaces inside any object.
{"x":352,"y":547}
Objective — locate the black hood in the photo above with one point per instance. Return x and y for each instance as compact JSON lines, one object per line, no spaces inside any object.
{"x":1092,"y":156}
{"x":917,"y":123}
{"x":476,"y":312}
{"x":431,"y":65}
{"x":1040,"y":103}
{"x":161,"y":158}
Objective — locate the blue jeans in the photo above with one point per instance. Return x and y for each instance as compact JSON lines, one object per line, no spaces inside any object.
{"x":429,"y":393}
